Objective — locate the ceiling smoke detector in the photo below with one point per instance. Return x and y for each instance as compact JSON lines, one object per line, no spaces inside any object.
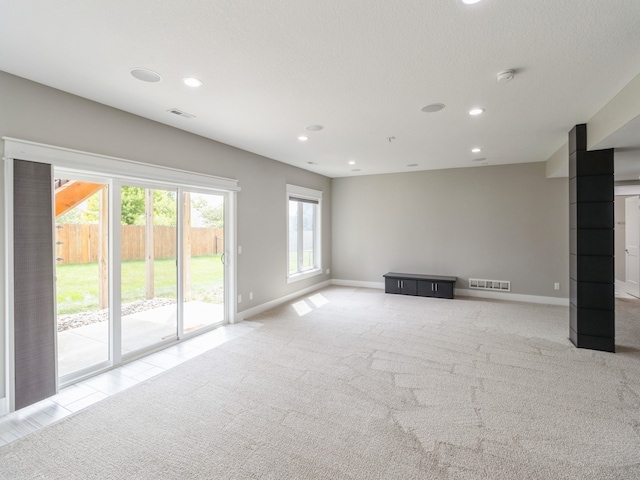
{"x":506,"y":76}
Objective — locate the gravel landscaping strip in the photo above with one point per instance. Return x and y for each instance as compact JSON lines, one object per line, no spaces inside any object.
{"x":75,"y":320}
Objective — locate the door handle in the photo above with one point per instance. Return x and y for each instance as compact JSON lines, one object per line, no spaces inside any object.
{"x":222,"y":258}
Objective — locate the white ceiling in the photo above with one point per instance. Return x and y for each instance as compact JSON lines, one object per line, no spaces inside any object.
{"x":626,"y":142}
{"x":361,"y":68}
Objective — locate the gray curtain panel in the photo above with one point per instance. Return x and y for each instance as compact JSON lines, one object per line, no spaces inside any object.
{"x":34,"y":306}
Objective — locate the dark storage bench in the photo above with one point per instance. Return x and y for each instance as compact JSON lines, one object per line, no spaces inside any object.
{"x":420,"y":285}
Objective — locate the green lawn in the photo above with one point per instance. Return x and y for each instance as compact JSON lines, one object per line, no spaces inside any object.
{"x":306,"y":263}
{"x":77,"y":284}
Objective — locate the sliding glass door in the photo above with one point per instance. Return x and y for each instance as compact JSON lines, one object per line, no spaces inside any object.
{"x":165,"y":262}
{"x":82,"y":274}
{"x":203,"y":261}
{"x":144,"y":257}
{"x":149,"y":282}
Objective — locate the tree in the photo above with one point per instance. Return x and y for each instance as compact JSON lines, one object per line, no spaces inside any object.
{"x":75,"y":216}
{"x":211,"y":215}
{"x":132,"y":205}
{"x":165,"y":208}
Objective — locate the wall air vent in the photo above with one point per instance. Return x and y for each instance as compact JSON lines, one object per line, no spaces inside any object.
{"x":180,"y":113}
{"x":483,"y":284}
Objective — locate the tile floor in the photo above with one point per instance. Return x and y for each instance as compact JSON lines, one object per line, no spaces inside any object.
{"x":87,"y":392}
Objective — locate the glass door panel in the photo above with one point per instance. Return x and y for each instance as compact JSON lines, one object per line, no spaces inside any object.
{"x":148,"y":269}
{"x":82,"y":281}
{"x":203,"y":268}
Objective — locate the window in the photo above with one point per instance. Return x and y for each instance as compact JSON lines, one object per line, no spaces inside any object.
{"x":303,"y":246}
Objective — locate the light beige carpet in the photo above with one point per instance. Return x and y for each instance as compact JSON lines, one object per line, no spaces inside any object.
{"x":365,"y":385}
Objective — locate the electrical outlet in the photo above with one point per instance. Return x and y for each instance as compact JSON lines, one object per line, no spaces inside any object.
{"x":239,"y":298}
{"x":556,"y":286}
{"x":250,"y":295}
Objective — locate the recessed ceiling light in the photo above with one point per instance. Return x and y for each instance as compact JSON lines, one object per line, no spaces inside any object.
{"x":352,"y":162}
{"x":412,"y":165}
{"x":303,"y":138}
{"x":470,"y":2}
{"x":483,"y":159}
{"x":192,"y":82}
{"x":432,"y":108}
{"x":312,"y":163}
{"x":314,"y":128}
{"x":476,"y":111}
{"x":356,"y":169}
{"x":145,"y":75}
{"x":476,"y":150}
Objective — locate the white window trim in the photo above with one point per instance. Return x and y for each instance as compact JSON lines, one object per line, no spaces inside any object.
{"x":303,"y":192}
{"x":96,"y":164}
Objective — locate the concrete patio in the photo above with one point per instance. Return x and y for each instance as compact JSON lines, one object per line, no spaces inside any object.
{"x":88,"y":345}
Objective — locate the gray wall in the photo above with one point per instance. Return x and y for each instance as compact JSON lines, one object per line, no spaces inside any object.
{"x":494,"y":222}
{"x":34,"y":112}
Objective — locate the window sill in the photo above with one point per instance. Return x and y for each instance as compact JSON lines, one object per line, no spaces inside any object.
{"x":296,"y":277}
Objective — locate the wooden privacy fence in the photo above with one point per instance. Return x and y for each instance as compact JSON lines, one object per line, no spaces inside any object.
{"x":77,"y":243}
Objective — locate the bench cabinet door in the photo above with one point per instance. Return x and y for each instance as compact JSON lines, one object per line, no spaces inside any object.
{"x":402,"y":286}
{"x":392,"y":285}
{"x":428,"y":288}
{"x":425,"y":288}
{"x":443,"y":289}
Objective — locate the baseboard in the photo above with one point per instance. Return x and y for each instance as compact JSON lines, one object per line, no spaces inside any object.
{"x":514,"y":297}
{"x":253,"y":311}
{"x":621,"y":284}
{"x":355,"y":283}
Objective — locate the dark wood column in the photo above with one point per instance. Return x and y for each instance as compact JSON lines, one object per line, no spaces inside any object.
{"x":591,"y":244}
